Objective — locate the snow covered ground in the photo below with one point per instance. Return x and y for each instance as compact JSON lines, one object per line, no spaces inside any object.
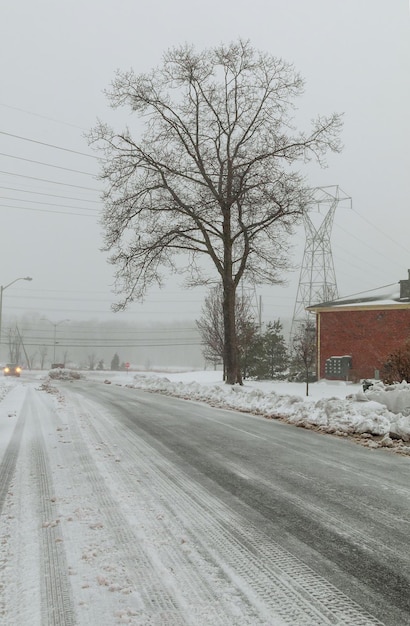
{"x":90,"y":513}
{"x":379,"y":417}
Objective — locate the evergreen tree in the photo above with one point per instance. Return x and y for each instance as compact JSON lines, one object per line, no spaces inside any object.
{"x":248,"y":337}
{"x":115,"y":363}
{"x":268,"y":357}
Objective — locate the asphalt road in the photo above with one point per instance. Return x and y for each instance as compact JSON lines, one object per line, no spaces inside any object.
{"x":339,"y":510}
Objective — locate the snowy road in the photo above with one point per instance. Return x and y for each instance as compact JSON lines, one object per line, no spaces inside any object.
{"x":124,"y":507}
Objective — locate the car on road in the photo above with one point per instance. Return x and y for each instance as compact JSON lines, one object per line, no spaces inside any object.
{"x":11,"y":369}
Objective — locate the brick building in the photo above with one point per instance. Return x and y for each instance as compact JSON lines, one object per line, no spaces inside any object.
{"x":365,"y":331}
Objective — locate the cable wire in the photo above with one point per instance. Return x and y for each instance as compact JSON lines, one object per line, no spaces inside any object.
{"x":26,"y":208}
{"x":54,"y":182}
{"x":59,"y":167}
{"x":49,"y":145}
{"x":51,"y":195}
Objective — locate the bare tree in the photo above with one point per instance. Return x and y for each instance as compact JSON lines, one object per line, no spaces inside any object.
{"x":211,"y":175}
{"x":30,"y":359}
{"x":14,"y":340}
{"x":397,"y":366}
{"x":304,"y":350}
{"x":43,"y":353}
{"x":92,"y":360}
{"x":65,"y":357}
{"x":211,"y":326}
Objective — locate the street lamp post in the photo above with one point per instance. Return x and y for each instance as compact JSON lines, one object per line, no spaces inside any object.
{"x":2,"y":288}
{"x":55,"y":324}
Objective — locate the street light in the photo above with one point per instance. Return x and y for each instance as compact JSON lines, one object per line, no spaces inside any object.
{"x":1,"y":296}
{"x":55,"y":324}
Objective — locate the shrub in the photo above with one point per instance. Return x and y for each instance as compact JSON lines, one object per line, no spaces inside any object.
{"x":397,"y":367}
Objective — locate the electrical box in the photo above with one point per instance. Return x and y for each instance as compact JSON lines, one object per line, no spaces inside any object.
{"x":338,"y":367}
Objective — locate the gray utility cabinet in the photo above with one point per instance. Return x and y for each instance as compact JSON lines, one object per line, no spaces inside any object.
{"x":338,"y":367}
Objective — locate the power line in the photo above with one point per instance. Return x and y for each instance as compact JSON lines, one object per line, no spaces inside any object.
{"x":360,"y":293}
{"x":49,"y":145}
{"x":51,"y":195}
{"x":25,"y":208}
{"x":364,"y":243}
{"x":358,"y":265}
{"x":67,"y":169}
{"x":114,"y":345}
{"x":44,"y":180}
{"x":9,"y":307}
{"x":108,"y":298}
{"x":381,"y":231}
{"x":66,"y":206}
{"x":76,"y":327}
{"x":44,"y":117}
{"x":109,"y":295}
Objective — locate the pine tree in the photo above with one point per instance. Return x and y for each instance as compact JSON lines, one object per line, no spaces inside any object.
{"x":268,"y":358}
{"x":115,"y":363}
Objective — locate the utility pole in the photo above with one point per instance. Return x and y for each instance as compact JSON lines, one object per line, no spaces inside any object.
{"x":24,"y":347}
{"x":55,"y":324}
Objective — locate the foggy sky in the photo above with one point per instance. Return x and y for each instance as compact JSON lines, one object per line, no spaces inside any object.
{"x":57,"y":58}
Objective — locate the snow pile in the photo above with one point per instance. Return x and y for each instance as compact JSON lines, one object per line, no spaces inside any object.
{"x":397,"y":400}
{"x":395,"y":397}
{"x":61,"y":373}
{"x":380,"y":411}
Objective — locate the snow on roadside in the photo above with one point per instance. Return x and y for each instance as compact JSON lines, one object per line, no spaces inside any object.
{"x":381,"y":412}
{"x":379,"y":417}
{"x":12,"y":396}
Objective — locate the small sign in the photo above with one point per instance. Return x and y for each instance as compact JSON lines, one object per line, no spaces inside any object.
{"x":127,"y":365}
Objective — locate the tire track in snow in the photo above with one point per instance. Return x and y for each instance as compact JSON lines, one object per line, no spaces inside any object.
{"x":8,"y":463}
{"x":56,"y":595}
{"x":278,"y":584}
{"x":7,"y":472}
{"x":337,"y":523}
{"x":194,"y":581}
{"x":159,"y":603}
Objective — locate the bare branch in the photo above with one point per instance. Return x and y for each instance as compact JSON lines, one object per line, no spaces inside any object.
{"x":211,"y":172}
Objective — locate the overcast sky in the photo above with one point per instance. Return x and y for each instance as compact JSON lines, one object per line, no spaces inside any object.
{"x":56,"y":59}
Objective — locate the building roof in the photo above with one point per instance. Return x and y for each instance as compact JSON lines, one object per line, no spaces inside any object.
{"x":380,"y":298}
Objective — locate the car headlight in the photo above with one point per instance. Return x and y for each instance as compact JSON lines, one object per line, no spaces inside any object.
{"x":18,"y":370}
{"x":6,"y":369}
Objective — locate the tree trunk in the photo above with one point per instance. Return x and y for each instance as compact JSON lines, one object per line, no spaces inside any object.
{"x":231,"y":349}
{"x":231,"y":352}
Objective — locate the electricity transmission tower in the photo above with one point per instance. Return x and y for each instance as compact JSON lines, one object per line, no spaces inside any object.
{"x":317,"y":281}
{"x":255,"y":303}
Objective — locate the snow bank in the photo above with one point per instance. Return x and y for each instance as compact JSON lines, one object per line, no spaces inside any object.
{"x":379,"y":416}
{"x":376,"y":412}
{"x":61,"y":373}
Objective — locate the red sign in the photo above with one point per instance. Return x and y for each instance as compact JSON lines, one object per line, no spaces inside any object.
{"x":127,"y":365}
